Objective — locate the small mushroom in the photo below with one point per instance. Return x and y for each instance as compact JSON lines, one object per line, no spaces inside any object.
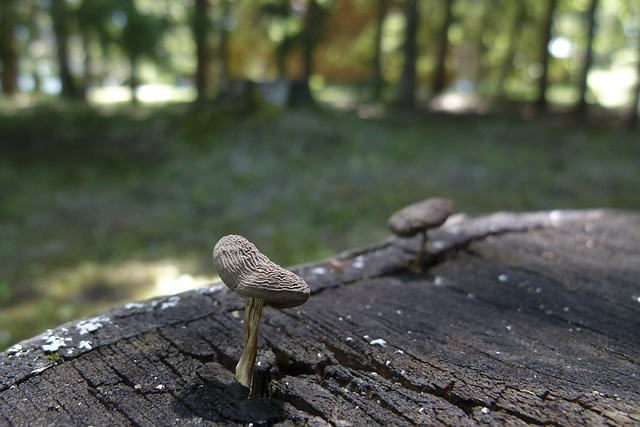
{"x":419,"y":217}
{"x":245,"y":270}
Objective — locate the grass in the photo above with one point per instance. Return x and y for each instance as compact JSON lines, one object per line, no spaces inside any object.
{"x":100,"y":207}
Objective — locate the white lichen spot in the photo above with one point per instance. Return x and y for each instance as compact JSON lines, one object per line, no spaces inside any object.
{"x":349,"y":339}
{"x":399,"y":352}
{"x":471,"y":296}
{"x":70,"y":351}
{"x":319,"y":271}
{"x":565,"y":309}
{"x":388,"y":363}
{"x":15,"y":349}
{"x":41,"y":369}
{"x":91,"y":325}
{"x":555,"y":216}
{"x":85,"y":345}
{"x":498,"y":353}
{"x":485,"y":410}
{"x":421,"y":410}
{"x":438,"y":281}
{"x":53,"y":343}
{"x":160,"y":387}
{"x":358,"y":262}
{"x":340,"y":319}
{"x":171,"y":302}
{"x":503,"y":278}
{"x":319,"y":355}
{"x":366,"y":337}
{"x":132,"y":305}
{"x":509,"y":327}
{"x":399,"y":312}
{"x":204,"y":290}
{"x":378,"y":342}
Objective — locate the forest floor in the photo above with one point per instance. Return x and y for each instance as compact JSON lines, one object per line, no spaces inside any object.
{"x":104,"y":206}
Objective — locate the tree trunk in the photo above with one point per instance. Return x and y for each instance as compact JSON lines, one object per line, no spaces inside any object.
{"x":60,"y":19}
{"x":133,"y":78}
{"x":543,"y":81}
{"x":519,"y":14}
{"x":632,"y":121}
{"x":88,"y":62}
{"x":406,"y":96}
{"x":581,"y":106}
{"x":200,"y":35}
{"x":300,"y":93}
{"x":440,"y":76}
{"x":224,"y":45}
{"x":377,"y":76}
{"x":479,"y":45}
{"x":8,"y":47}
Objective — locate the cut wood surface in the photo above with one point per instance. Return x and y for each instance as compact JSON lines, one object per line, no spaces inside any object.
{"x":520,"y":319}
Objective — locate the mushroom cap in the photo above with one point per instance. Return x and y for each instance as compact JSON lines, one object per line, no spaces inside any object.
{"x":420,"y":216}
{"x":248,"y":272}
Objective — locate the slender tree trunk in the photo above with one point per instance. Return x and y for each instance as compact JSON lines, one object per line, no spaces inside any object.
{"x":60,"y":18}
{"x":581,"y":106}
{"x":543,"y":81}
{"x":519,"y":14}
{"x":8,"y":47}
{"x":133,"y":78}
{"x":479,"y":45}
{"x":632,"y":121}
{"x":440,"y":76}
{"x":200,"y":35}
{"x":300,"y":93}
{"x":310,"y":38}
{"x":88,"y":62}
{"x":377,"y":78}
{"x":406,"y":96}
{"x":224,"y":43}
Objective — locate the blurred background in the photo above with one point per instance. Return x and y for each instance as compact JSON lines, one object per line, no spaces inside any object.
{"x":135,"y":133}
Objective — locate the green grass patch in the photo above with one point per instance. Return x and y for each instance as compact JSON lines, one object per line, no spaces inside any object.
{"x":86,"y":193}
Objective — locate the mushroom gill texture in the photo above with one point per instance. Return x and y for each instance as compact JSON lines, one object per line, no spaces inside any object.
{"x":248,"y":272}
{"x":234,"y":257}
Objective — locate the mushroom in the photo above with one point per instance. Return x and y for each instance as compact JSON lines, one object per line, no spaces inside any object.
{"x":418,"y":218}
{"x":245,"y":270}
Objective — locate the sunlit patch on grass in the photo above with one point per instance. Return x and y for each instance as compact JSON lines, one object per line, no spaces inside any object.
{"x":89,"y":287}
{"x":148,"y":94}
{"x":169,"y":280}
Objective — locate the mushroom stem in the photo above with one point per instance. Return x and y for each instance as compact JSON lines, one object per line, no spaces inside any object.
{"x":244,"y":368}
{"x":420,"y":254}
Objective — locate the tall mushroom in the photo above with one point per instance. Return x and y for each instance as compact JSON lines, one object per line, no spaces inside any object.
{"x":418,"y":218}
{"x":245,"y":270}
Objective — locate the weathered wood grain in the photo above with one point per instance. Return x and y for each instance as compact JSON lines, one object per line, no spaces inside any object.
{"x":521,"y":319}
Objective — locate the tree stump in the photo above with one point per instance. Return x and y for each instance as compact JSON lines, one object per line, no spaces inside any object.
{"x":519,"y":319}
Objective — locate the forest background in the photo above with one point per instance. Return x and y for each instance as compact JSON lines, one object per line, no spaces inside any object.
{"x":135,"y":133}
